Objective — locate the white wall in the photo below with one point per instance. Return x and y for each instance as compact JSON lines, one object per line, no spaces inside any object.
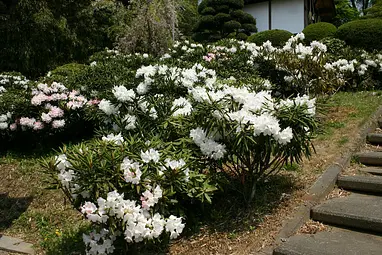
{"x":288,"y":15}
{"x":260,"y":12}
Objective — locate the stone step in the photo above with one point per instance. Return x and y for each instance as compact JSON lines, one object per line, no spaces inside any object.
{"x":372,"y":184}
{"x":355,"y":211}
{"x":370,"y":158}
{"x":374,"y":138}
{"x":15,"y":245}
{"x":372,"y":170}
{"x":336,"y":242}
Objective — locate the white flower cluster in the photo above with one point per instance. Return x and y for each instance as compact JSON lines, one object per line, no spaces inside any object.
{"x":176,"y":165}
{"x":116,"y":139}
{"x":150,"y":155}
{"x":207,"y":145}
{"x":301,"y":101}
{"x":67,"y":177}
{"x":2,"y":90}
{"x":138,"y":223}
{"x":4,"y":118}
{"x":182,"y":106}
{"x":107,"y":107}
{"x":342,"y":65}
{"x":183,"y":77}
{"x":131,"y":171}
{"x":123,"y":94}
{"x":254,"y":112}
{"x":99,"y":243}
{"x":185,"y":46}
{"x":15,"y":79}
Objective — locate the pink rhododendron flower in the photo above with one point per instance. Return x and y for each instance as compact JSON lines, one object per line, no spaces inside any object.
{"x":38,"y":125}
{"x":13,"y":126}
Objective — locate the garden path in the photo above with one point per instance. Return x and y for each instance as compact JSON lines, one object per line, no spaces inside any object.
{"x":354,"y":219}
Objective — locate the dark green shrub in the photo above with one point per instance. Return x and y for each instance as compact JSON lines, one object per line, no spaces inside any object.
{"x":333,"y":45}
{"x":222,"y":19}
{"x":67,"y":73}
{"x":366,"y":34}
{"x":318,"y":31}
{"x":276,"y":36}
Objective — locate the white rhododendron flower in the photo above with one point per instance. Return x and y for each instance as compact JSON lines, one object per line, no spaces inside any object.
{"x":132,"y":172}
{"x":107,"y":107}
{"x":182,"y":106}
{"x":175,"y":226}
{"x":130,"y":121}
{"x":150,"y":155}
{"x":207,"y":145}
{"x":122,"y":94}
{"x":117,"y":139}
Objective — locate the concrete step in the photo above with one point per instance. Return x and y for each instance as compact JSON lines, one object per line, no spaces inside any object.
{"x":372,"y":170}
{"x":355,"y":211}
{"x":370,"y":158}
{"x":336,"y":242}
{"x":15,"y":245}
{"x":372,"y":184}
{"x":374,"y":138}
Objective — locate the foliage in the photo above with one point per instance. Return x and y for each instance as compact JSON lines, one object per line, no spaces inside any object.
{"x":187,"y":16}
{"x":318,"y":31}
{"x":276,"y":36}
{"x":50,"y":33}
{"x":175,"y":129}
{"x":375,"y":11}
{"x":365,"y":34}
{"x":153,"y":28}
{"x":334,"y":45}
{"x":128,"y":192}
{"x":362,"y":5}
{"x":344,"y":13}
{"x":222,"y":19}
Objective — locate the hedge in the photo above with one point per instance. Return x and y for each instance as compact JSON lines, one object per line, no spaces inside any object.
{"x":318,"y":31}
{"x":366,"y":34}
{"x":276,"y":36}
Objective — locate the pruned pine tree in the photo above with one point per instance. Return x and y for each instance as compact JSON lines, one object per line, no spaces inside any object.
{"x":223,"y":18}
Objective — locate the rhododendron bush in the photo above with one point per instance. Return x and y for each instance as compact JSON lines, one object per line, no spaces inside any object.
{"x":174,"y":130}
{"x":168,"y":140}
{"x":39,"y":108}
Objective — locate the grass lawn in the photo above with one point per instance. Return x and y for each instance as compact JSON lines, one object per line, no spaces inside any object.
{"x":31,"y":211}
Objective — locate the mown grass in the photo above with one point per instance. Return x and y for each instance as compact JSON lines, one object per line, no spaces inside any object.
{"x":346,"y":107}
{"x":30,"y":209}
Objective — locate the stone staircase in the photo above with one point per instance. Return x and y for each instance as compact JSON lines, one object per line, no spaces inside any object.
{"x":355,"y":220}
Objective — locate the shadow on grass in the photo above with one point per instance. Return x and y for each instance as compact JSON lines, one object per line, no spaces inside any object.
{"x":11,"y":209}
{"x":31,"y":145}
{"x":228,"y":213}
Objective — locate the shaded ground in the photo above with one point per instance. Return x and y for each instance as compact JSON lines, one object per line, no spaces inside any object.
{"x":41,"y":216}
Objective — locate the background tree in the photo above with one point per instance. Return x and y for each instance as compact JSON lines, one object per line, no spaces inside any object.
{"x":375,"y":11}
{"x":362,"y":5}
{"x":153,"y":28}
{"x":38,"y":35}
{"x":345,"y":12}
{"x":187,"y":16}
{"x":223,"y":18}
